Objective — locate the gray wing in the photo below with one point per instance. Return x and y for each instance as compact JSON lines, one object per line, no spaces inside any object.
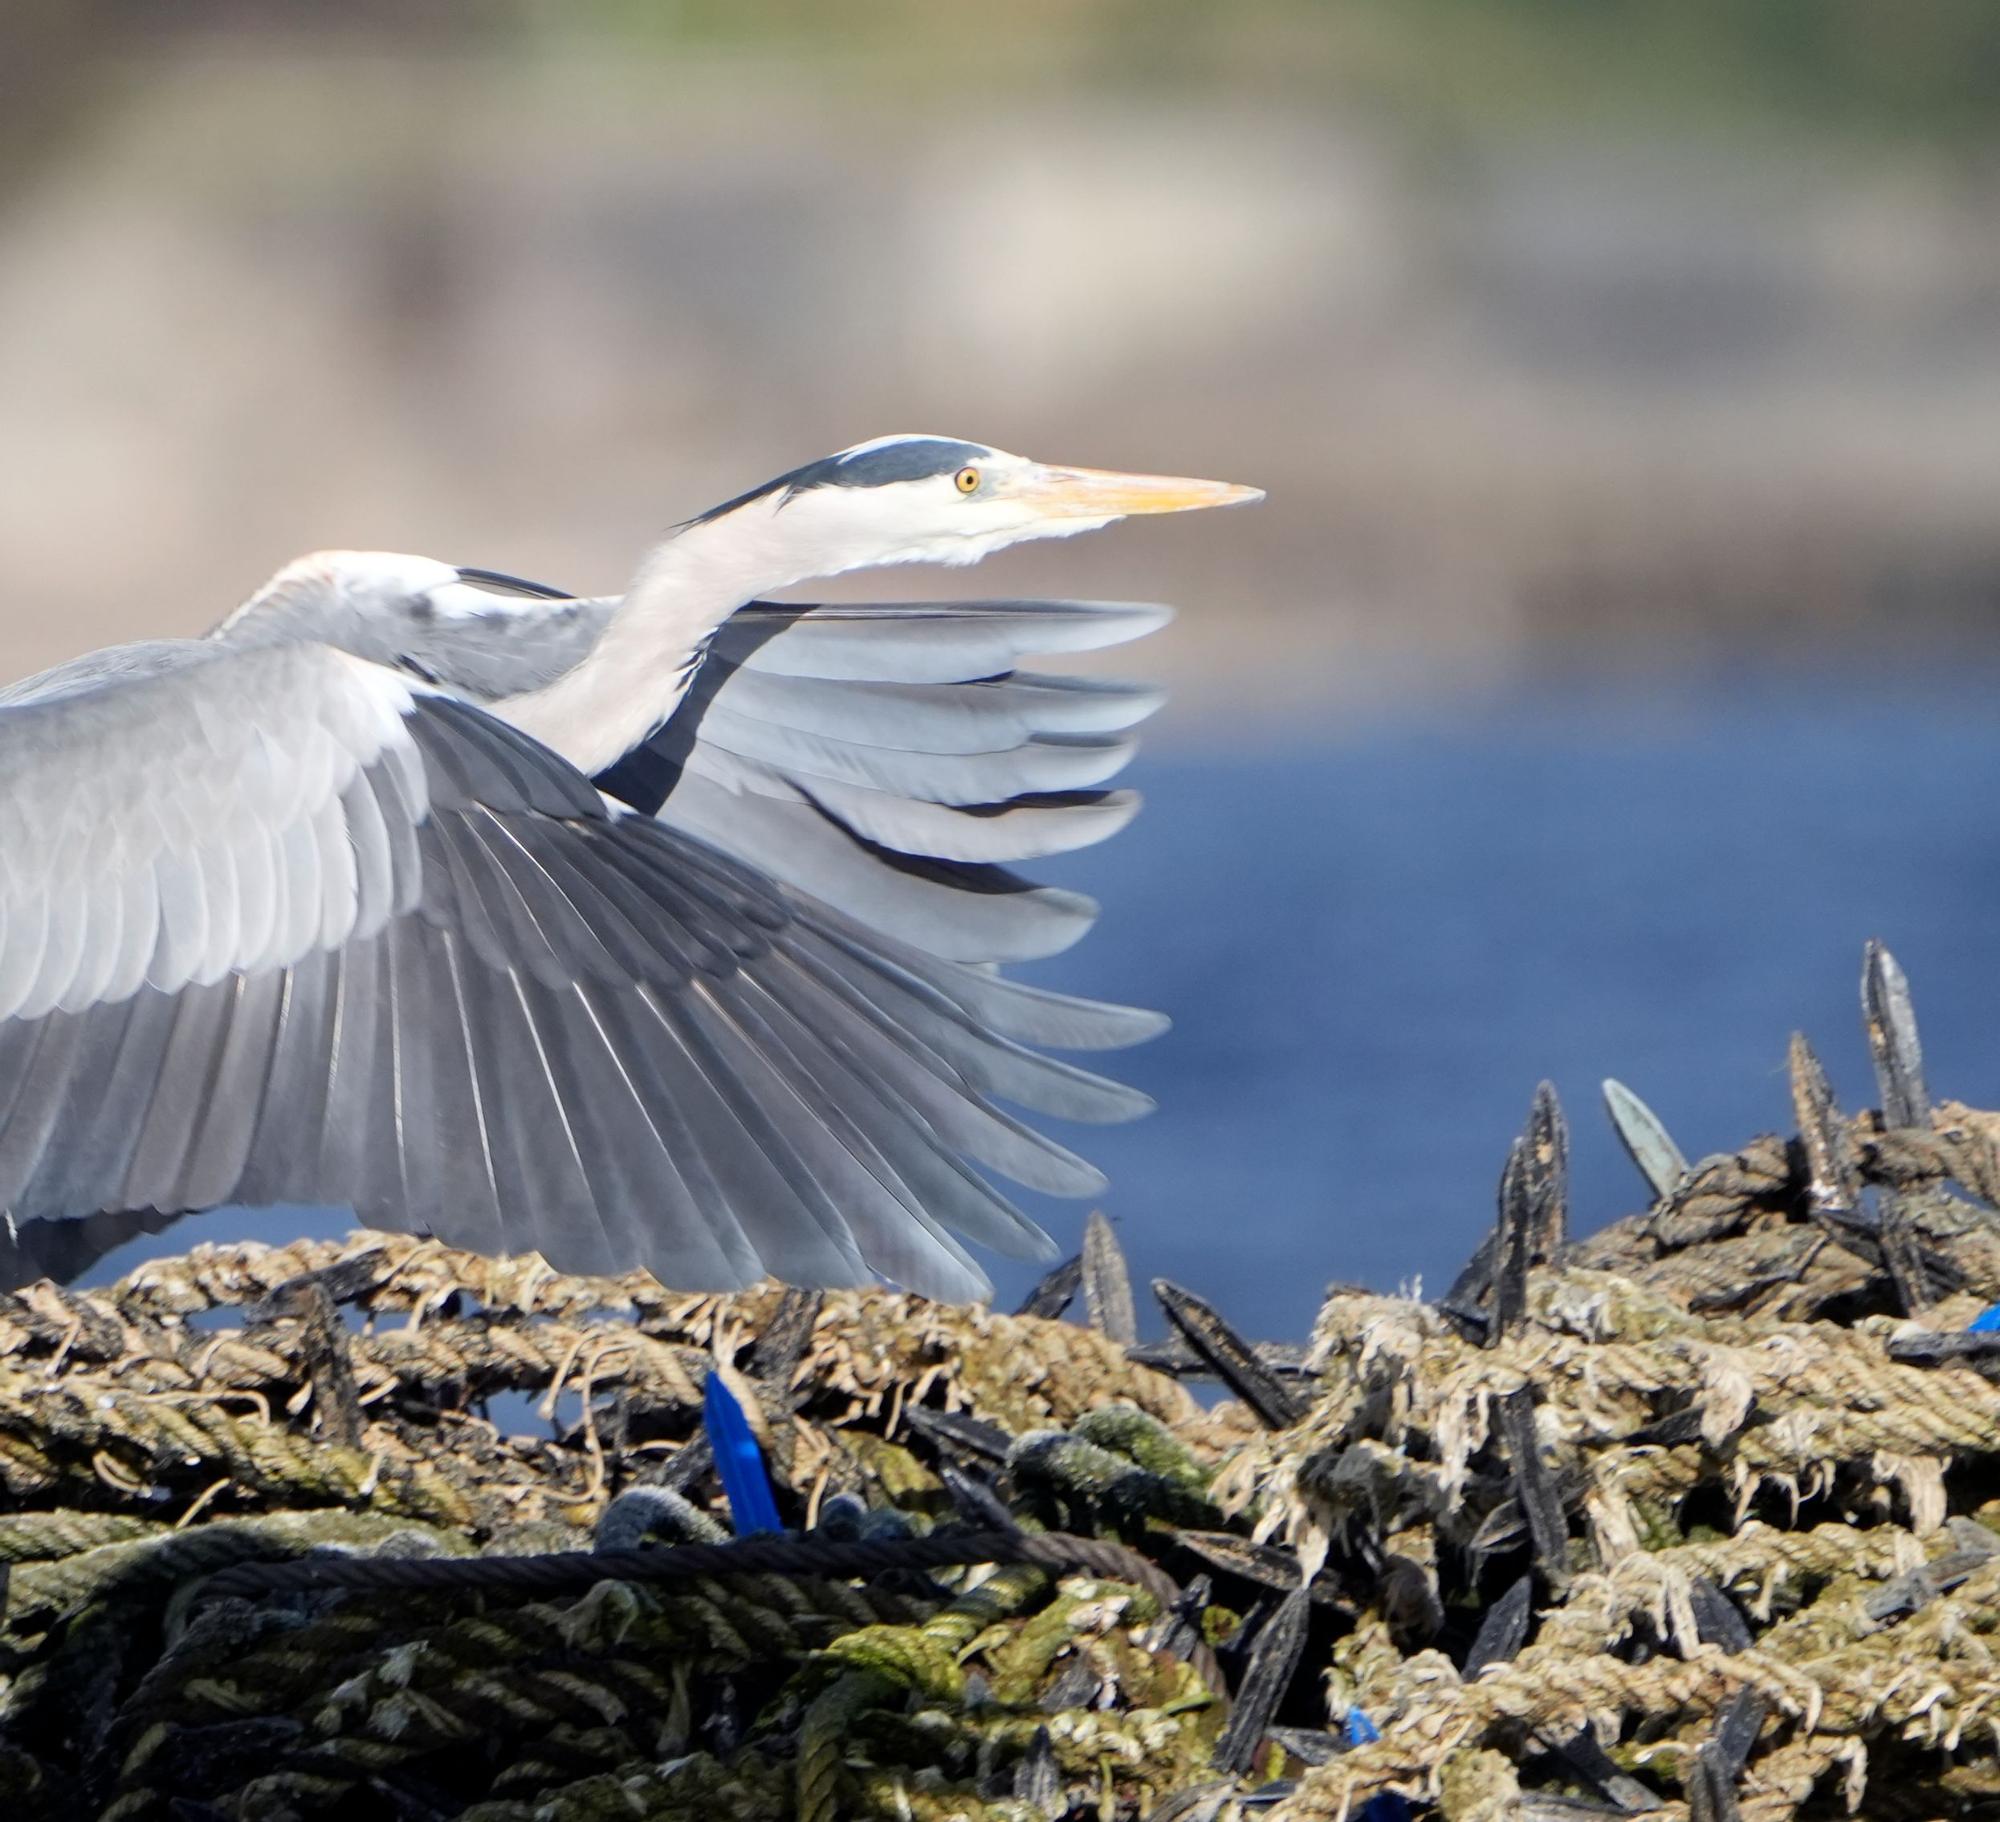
{"x":280,"y":926}
{"x":65,"y":1250}
{"x":477,"y":641}
{"x":503,"y":646}
{"x":894,"y":761}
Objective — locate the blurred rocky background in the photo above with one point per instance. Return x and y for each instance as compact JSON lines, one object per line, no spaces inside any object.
{"x":1590,"y":331}
{"x":1613,"y":656}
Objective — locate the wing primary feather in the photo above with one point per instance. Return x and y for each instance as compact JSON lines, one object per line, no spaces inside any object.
{"x":678,"y":950}
{"x":544,"y":1195}
{"x":468,"y":1212}
{"x":462,"y":774}
{"x":938,"y":642}
{"x":809,"y":1241}
{"x":123,"y":1048}
{"x":19,"y":1043}
{"x":284,"y":1161}
{"x":937,"y":1178}
{"x":180,"y":1093}
{"x":709,"y":943}
{"x":490,"y":765}
{"x":240,"y":1074}
{"x":411,"y":1028}
{"x":378,"y":1168}
{"x":603,"y":901}
{"x":964,"y":912}
{"x":528,"y":942}
{"x":993,"y":1064}
{"x":948,"y":1104}
{"x":547,"y":786}
{"x":37,"y":1102}
{"x":917,"y":1185}
{"x":761,"y":1197}
{"x":351,"y":1095}
{"x":643,"y":1204}
{"x":973,"y":719}
{"x":458,"y":890}
{"x":1029,"y":827}
{"x":558,"y":924}
{"x":587,"y":1242}
{"x":677,"y":1101}
{"x":736,"y":894}
{"x":1036,"y":763}
{"x":1009,"y":1008}
{"x":851,"y":1187}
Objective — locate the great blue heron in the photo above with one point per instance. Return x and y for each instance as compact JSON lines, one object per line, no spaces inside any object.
{"x":285,"y":917}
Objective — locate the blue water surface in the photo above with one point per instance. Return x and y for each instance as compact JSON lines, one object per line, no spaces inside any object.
{"x":1375,"y":943}
{"x":1376,"y":938}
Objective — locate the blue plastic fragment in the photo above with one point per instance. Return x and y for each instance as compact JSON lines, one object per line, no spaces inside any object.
{"x":1361,"y":1731}
{"x":1985,"y":1322}
{"x":738,"y":1460}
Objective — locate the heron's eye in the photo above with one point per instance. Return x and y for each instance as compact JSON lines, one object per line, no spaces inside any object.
{"x":967,"y":480}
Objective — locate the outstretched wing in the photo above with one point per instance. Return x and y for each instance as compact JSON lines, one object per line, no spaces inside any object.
{"x":278,"y":925}
{"x":893,"y":761}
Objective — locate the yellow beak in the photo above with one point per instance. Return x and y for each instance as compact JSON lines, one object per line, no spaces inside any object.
{"x":1101,"y":493}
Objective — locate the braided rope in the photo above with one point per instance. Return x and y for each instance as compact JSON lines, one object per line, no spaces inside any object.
{"x":574,"y":1571}
{"x":1763,"y":1485}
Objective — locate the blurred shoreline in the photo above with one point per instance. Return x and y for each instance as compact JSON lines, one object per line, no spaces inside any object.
{"x":1587,"y":393}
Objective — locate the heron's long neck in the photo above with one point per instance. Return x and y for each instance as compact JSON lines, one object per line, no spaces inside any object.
{"x":637,"y":673}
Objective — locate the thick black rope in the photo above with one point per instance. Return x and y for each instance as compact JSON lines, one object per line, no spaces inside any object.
{"x":764,"y":1553}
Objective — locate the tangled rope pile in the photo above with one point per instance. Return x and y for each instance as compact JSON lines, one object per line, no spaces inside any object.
{"x":1698,"y":1517}
{"x":490,"y":1639}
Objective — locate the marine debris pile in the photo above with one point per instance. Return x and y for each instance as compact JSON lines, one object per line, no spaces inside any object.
{"x":1697,"y":1517}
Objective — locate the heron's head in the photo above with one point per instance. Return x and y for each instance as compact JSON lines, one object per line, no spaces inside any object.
{"x":930,"y":499}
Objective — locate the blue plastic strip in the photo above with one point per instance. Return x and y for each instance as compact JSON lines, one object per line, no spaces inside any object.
{"x":738,"y":1460}
{"x":1361,"y":1731}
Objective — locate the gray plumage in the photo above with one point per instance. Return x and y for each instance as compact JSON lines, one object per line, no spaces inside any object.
{"x":491,"y":643}
{"x":890,"y":759}
{"x":281,"y":925}
{"x":320,"y":910}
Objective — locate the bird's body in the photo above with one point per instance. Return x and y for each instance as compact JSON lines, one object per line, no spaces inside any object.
{"x":326,"y":908}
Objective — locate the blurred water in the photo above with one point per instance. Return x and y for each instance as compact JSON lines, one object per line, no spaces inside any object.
{"x":1374,"y":944}
{"x":1375,"y":941}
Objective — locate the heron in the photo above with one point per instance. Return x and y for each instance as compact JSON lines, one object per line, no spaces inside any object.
{"x":511,"y":938}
